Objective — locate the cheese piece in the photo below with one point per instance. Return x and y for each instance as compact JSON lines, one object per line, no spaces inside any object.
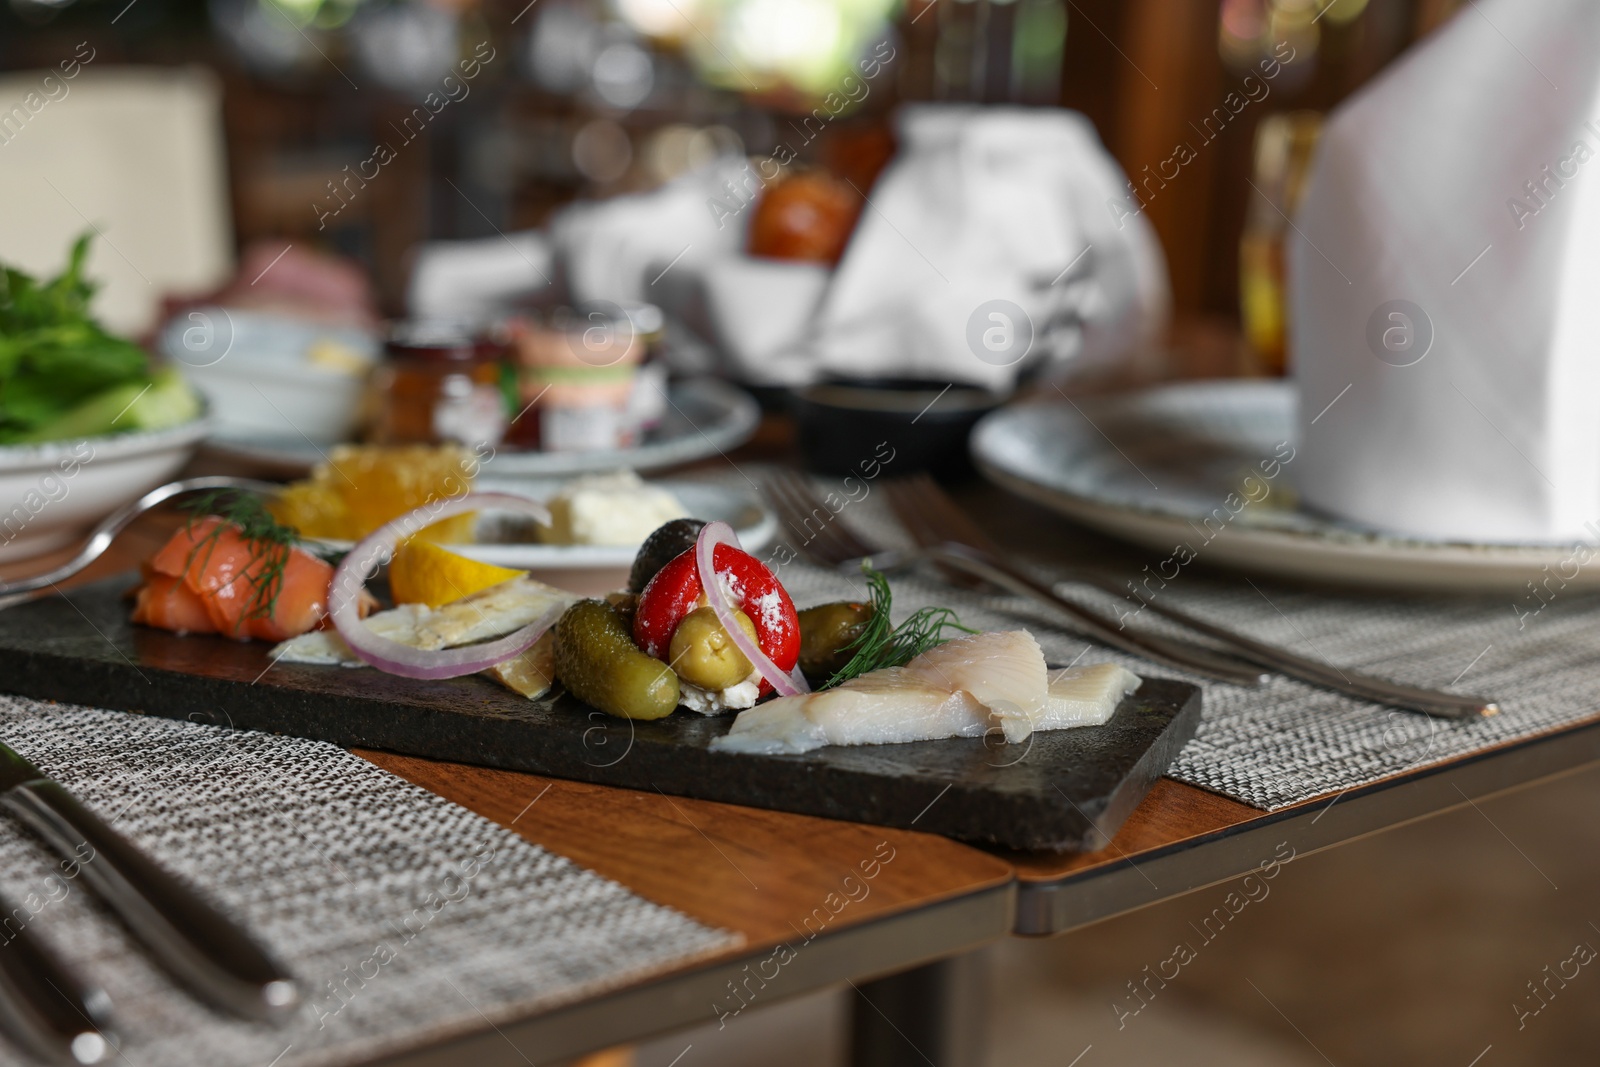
{"x":617,"y":508}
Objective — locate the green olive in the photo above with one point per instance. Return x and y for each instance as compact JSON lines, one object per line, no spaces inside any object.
{"x":599,"y":664}
{"x":826,"y":632}
{"x":704,"y":655}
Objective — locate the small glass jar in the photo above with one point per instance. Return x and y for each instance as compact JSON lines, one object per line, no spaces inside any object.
{"x":578,"y":377}
{"x":438,"y":383}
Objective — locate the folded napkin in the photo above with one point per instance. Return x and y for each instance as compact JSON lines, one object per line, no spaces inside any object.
{"x":478,"y":280}
{"x":1442,"y":284}
{"x":983,"y":205}
{"x":638,"y":248}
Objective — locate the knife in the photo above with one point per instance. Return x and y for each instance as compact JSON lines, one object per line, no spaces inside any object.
{"x":44,"y":1009}
{"x":199,"y":946}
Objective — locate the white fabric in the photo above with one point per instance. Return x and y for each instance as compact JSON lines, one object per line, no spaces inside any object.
{"x":980,"y":204}
{"x":477,"y":280}
{"x":758,"y":308}
{"x":626,"y":248}
{"x":1492,"y":435}
{"x":986,"y":203}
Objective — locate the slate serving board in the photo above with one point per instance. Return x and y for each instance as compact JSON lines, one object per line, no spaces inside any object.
{"x":1064,"y":790}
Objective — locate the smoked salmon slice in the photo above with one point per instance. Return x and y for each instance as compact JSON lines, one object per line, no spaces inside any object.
{"x":242,"y":588}
{"x":164,"y":601}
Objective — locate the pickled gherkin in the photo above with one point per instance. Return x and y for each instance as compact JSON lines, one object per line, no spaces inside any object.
{"x":599,"y":664}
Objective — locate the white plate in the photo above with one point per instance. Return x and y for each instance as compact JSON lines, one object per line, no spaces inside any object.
{"x":747,"y":513}
{"x":1152,"y":466}
{"x":704,"y":417}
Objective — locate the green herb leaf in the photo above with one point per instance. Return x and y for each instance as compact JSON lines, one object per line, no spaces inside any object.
{"x":882,"y":644}
{"x":53,"y":354}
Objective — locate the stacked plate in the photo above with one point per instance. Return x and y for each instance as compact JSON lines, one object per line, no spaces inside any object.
{"x":1208,"y":468}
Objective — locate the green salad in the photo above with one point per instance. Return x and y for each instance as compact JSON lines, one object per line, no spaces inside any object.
{"x":62,"y":375}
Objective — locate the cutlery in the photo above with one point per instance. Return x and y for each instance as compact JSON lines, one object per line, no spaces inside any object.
{"x":199,"y":946}
{"x":934,"y":520}
{"x":832,"y":544}
{"x":44,"y":1008}
{"x":25,"y":589}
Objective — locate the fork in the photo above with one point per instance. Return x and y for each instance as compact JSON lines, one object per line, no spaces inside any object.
{"x":834,"y":545}
{"x":24,"y":589}
{"x":934,"y":520}
{"x":45,"y":1008}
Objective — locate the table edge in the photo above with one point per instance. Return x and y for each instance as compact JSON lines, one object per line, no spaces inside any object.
{"x":1047,"y":906}
{"x":683,"y":998}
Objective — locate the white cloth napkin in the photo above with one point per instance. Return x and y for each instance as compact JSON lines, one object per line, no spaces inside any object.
{"x":639,"y":248}
{"x":985,"y":204}
{"x":477,"y":280}
{"x":1444,"y":282}
{"x":980,"y":205}
{"x":633,"y":249}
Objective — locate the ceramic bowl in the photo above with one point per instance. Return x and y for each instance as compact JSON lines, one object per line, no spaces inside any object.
{"x":51,"y":493}
{"x":254,"y":370}
{"x":923,"y":425}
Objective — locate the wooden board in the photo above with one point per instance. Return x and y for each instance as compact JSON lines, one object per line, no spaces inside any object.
{"x":1063,"y":790}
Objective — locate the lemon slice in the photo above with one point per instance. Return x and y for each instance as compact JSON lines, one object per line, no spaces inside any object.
{"x":424,"y":573}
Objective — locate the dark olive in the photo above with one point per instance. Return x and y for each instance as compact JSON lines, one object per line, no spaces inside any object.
{"x":626,"y":604}
{"x":826,"y":631}
{"x":665,"y":544}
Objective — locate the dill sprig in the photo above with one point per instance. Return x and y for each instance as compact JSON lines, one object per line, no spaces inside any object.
{"x":883,"y":644}
{"x":269,"y":539}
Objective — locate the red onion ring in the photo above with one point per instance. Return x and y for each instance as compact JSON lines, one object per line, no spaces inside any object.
{"x":392,"y":657}
{"x":720,"y":533}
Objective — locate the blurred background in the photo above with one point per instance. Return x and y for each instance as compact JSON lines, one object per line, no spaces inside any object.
{"x":582,"y":99}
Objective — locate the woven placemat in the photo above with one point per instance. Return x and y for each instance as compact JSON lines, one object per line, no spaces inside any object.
{"x":406,"y":917}
{"x":1287,"y":742}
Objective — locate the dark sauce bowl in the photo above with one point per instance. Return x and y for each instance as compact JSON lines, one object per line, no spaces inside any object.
{"x":850,"y":425}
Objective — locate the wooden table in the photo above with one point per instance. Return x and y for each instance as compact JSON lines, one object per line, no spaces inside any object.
{"x":761,"y":873}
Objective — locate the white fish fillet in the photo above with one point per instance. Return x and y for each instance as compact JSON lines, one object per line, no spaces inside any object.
{"x":963,"y":688}
{"x":880,"y":707}
{"x":1004,"y":671}
{"x":532,"y":672}
{"x":327,"y":647}
{"x":1085,"y":696}
{"x":494,"y":612}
